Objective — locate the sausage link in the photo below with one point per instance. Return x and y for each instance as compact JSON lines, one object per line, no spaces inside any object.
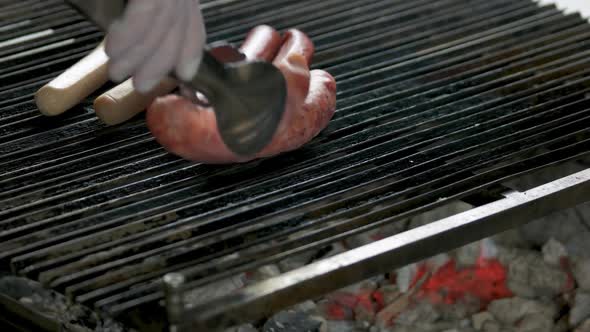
{"x":191,"y":131}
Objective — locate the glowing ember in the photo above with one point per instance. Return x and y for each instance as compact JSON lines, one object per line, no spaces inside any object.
{"x":486,"y":281}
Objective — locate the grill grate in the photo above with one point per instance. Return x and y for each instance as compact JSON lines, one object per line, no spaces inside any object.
{"x":436,"y":100}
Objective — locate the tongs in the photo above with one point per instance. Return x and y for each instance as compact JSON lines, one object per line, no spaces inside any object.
{"x":247,"y":96}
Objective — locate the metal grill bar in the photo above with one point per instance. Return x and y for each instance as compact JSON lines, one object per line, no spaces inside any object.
{"x":436,"y":99}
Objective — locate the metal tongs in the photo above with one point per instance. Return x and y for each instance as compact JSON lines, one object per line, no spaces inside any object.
{"x":248,"y":97}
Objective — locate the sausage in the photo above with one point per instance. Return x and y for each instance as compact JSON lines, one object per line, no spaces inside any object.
{"x":123,"y":102}
{"x":75,"y":84}
{"x":190,"y":131}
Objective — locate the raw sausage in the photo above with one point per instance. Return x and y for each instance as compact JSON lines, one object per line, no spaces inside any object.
{"x":191,"y":132}
{"x":75,"y":84}
{"x":123,"y":102}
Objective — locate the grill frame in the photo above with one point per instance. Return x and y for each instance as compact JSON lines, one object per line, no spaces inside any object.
{"x":366,"y":93}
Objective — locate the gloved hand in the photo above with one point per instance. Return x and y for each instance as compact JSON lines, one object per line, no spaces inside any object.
{"x":155,"y":38}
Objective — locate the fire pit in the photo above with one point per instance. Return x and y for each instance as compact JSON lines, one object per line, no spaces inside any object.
{"x":443,"y":107}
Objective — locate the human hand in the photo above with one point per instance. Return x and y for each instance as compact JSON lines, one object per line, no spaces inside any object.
{"x":155,"y":38}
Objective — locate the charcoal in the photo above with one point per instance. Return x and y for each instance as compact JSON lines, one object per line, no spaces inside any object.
{"x":462,"y":309}
{"x":263,"y":273}
{"x":581,"y":308}
{"x":404,"y":276}
{"x":509,"y":311}
{"x":423,"y":312}
{"x":468,"y":254}
{"x":535,"y":322}
{"x":530,"y":276}
{"x":73,"y":317}
{"x":216,"y":289}
{"x":579,"y":245}
{"x":342,"y":326}
{"x":385,"y":317}
{"x":512,"y":238}
{"x":492,"y":326}
{"x":390,"y":293}
{"x":563,"y":226}
{"x":297,"y":261}
{"x":450,"y":209}
{"x":584,"y":327}
{"x":307,"y":307}
{"x":365,"y":312}
{"x":581,"y":271}
{"x":368,"y":285}
{"x":561,"y":325}
{"x":480,"y":318}
{"x":242,"y":328}
{"x":362,"y":239}
{"x":412,"y":328}
{"x":323,"y":322}
{"x":332,"y":310}
{"x":553,"y":252}
{"x":437,"y":261}
{"x":292,"y":321}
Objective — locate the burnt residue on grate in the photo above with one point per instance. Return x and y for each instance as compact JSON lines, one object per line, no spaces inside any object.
{"x":435,"y":99}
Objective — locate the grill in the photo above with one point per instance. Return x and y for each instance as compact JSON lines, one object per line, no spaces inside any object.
{"x":438,"y":101}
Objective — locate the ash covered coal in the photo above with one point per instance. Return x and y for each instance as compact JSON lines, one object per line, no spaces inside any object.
{"x":71,"y":317}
